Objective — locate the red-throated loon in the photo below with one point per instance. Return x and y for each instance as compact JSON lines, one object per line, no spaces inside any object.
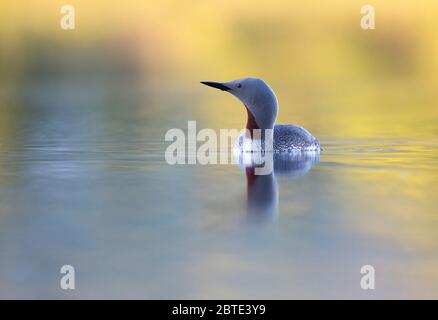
{"x":262,"y":108}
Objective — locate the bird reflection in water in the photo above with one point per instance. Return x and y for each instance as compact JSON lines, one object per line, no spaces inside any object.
{"x":262,"y":189}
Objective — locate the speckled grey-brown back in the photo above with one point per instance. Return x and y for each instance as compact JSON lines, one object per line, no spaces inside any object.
{"x":288,"y":138}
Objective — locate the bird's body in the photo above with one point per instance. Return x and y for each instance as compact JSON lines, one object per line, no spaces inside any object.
{"x":262,"y":108}
{"x":289,"y":137}
{"x":286,"y":138}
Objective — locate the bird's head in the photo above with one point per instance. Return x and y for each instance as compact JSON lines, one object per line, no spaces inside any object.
{"x":258,"y":98}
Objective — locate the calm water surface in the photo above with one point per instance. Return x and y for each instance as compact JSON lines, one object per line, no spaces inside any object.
{"x":89,"y":186}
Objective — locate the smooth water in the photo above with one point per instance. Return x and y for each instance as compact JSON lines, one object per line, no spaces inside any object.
{"x":83,"y":181}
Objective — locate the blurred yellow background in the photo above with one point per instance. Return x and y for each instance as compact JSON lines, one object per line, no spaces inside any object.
{"x":329,"y":74}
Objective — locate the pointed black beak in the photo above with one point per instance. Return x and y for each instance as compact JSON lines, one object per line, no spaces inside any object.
{"x":216,"y":85}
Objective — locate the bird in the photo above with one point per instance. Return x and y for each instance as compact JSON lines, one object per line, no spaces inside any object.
{"x":262,"y":107}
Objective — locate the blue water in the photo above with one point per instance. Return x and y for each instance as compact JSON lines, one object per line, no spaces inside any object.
{"x":83,"y":181}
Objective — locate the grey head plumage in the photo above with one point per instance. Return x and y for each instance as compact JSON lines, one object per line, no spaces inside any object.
{"x":256,"y":95}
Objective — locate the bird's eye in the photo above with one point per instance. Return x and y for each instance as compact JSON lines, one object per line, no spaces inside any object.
{"x":239,"y":85}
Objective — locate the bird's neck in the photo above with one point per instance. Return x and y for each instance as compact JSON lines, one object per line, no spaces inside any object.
{"x":251,"y":123}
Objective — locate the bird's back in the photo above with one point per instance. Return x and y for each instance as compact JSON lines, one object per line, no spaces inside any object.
{"x":288,"y":138}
